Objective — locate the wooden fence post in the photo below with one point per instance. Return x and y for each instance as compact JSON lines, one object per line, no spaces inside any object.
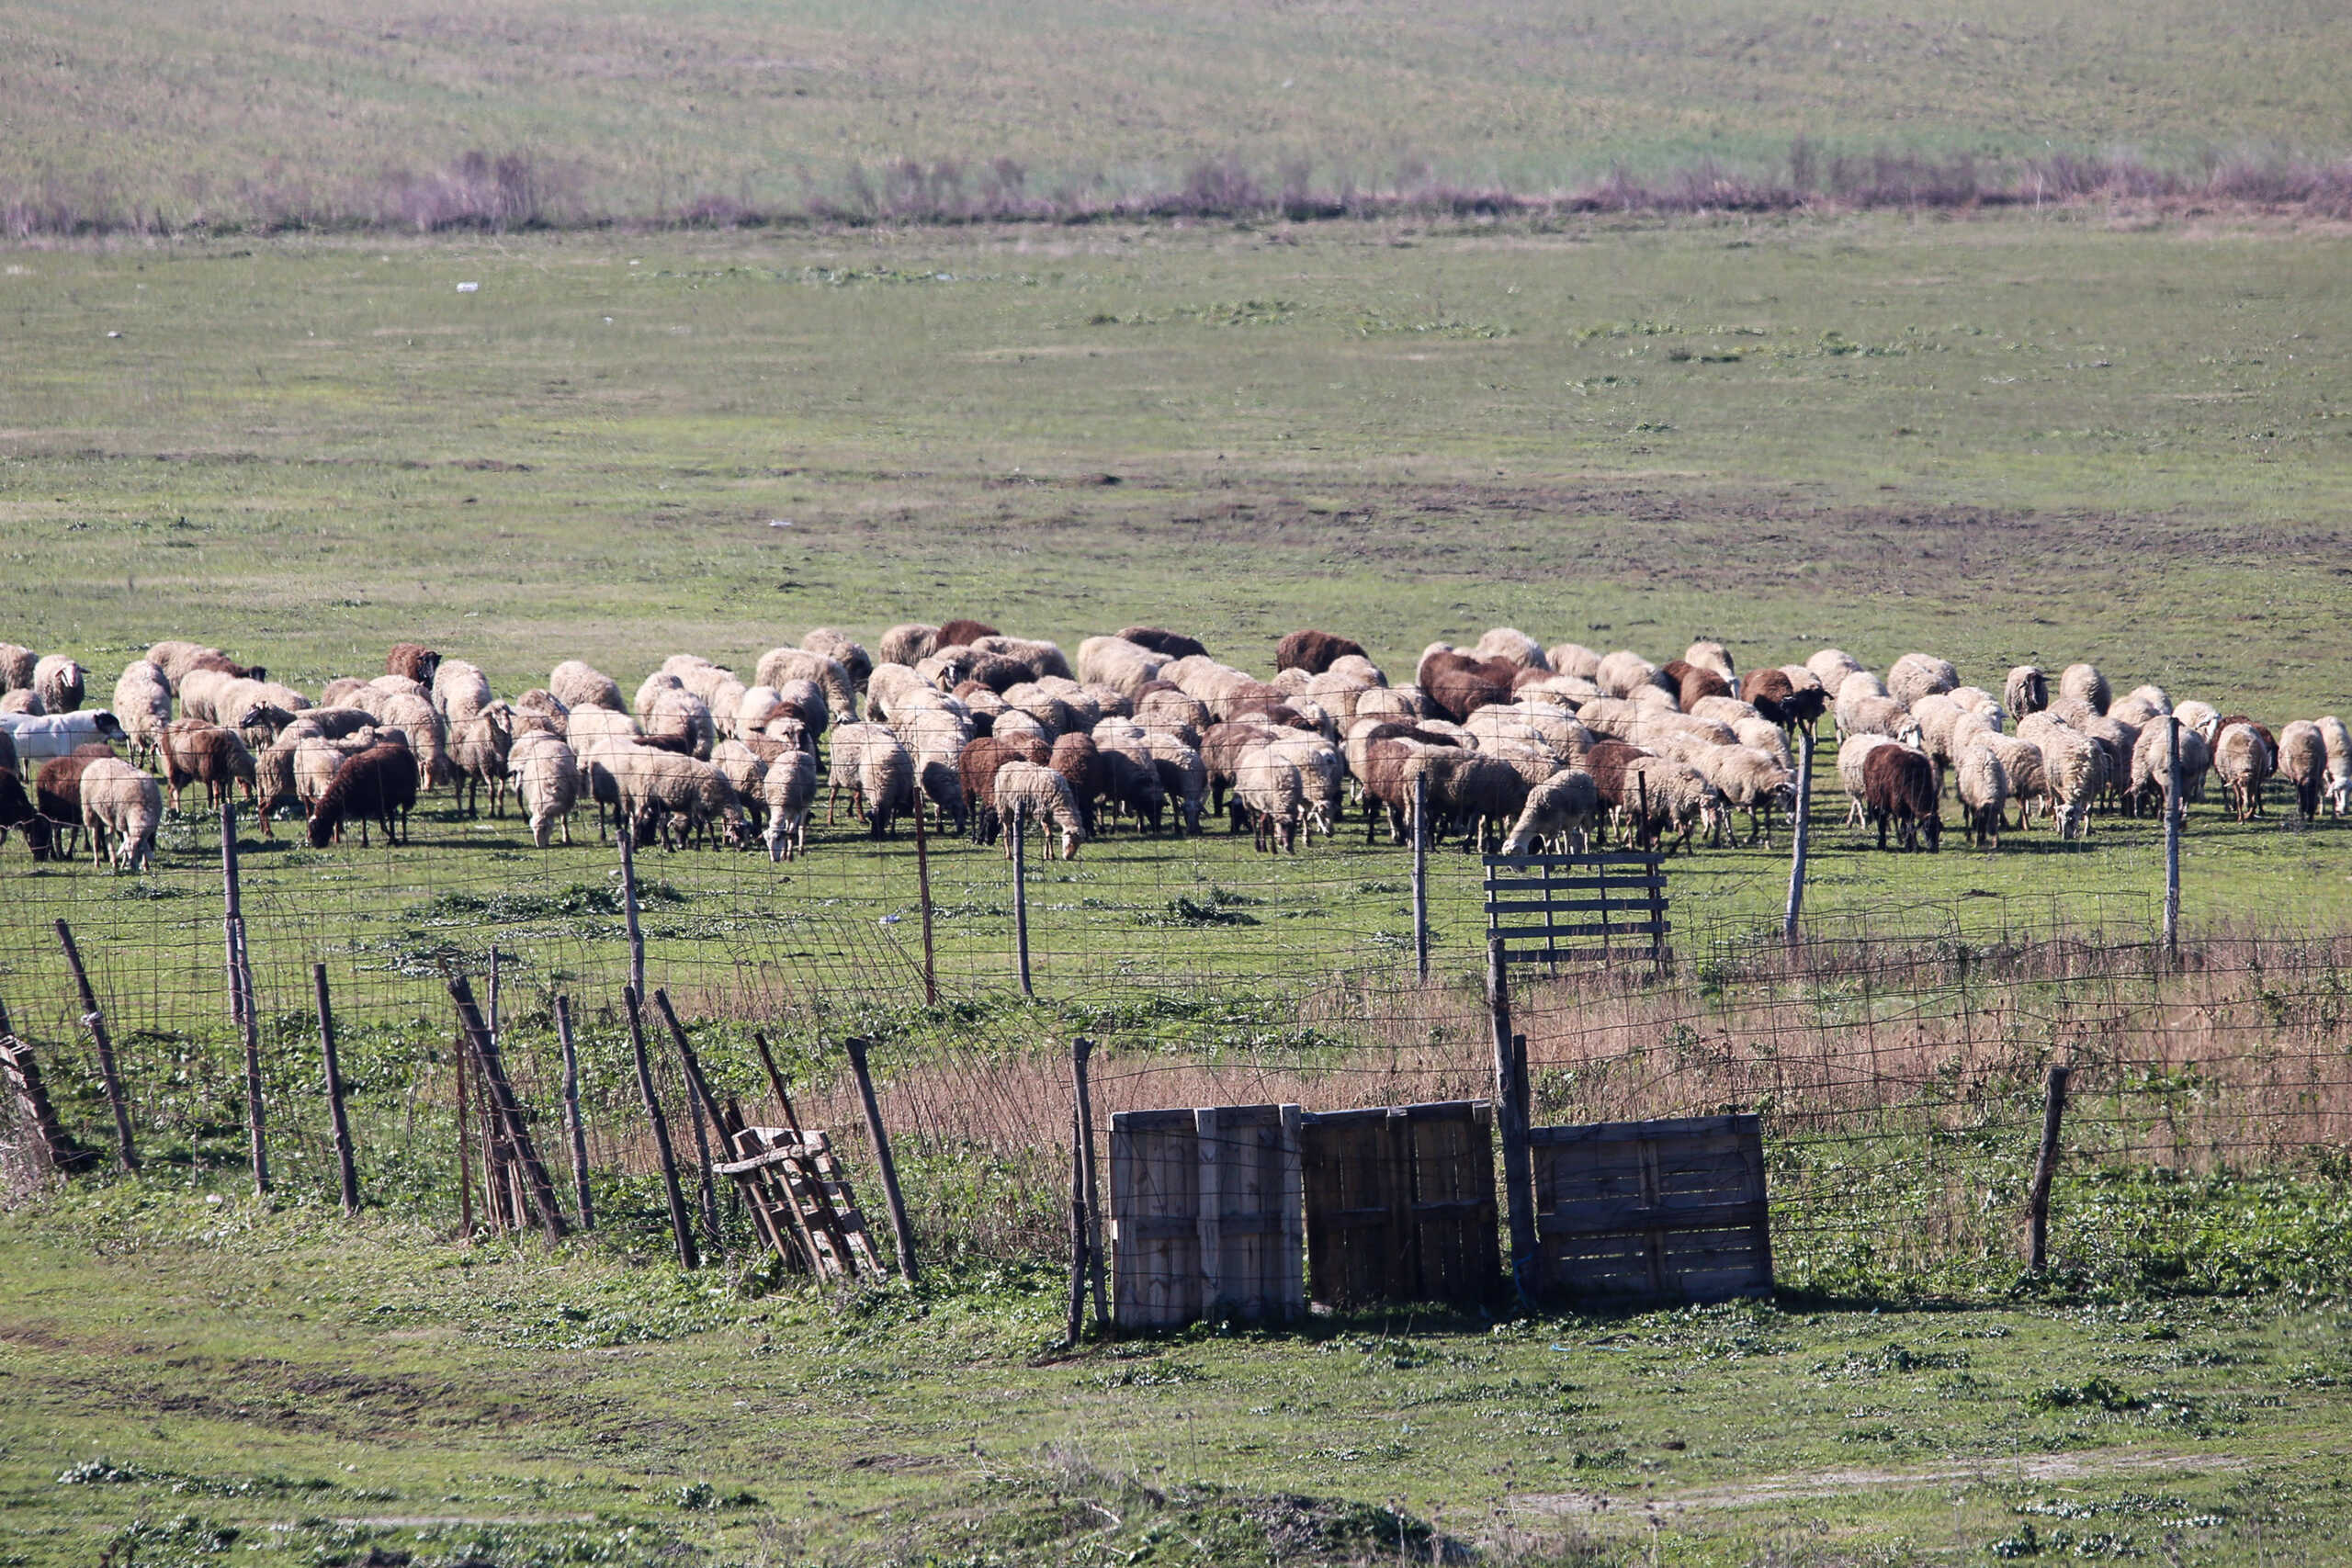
{"x":1081,"y":1049}
{"x":465,"y":1145}
{"x":1421,"y":876}
{"x":232,"y":911}
{"x":572,"y":1111}
{"x":346,"y":1167}
{"x":900,"y":1229}
{"x":2054,"y":1111}
{"x":23,"y":1073}
{"x":680,"y":1226}
{"x":506,"y":1111}
{"x":1800,"y":842}
{"x":702,"y":1108}
{"x":1078,"y":1238}
{"x":95,"y":1021}
{"x":1021,"y":893}
{"x":776,"y":1081}
{"x":628,"y":912}
{"x":2174,"y":808}
{"x":922,"y":895}
{"x":1511,"y":1112}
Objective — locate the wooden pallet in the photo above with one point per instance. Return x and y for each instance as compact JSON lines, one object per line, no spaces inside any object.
{"x":803,"y":1201}
{"x":1556,"y":908}
{"x":1400,"y":1204}
{"x":1208,"y":1218}
{"x":1652,"y":1210}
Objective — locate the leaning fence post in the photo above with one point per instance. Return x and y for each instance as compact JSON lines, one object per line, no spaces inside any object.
{"x":1421,"y":876}
{"x":900,"y":1228}
{"x":1801,"y":841}
{"x":1081,"y":1049}
{"x":1021,"y":891}
{"x":2175,"y":807}
{"x":922,"y":895}
{"x":347,"y":1170}
{"x":2054,"y":1111}
{"x":1511,"y":1112}
{"x":680,"y":1226}
{"x":506,"y":1111}
{"x":95,"y":1022}
{"x":1078,"y":1239}
{"x":703,"y":1108}
{"x":572,"y":1111}
{"x":628,"y":911}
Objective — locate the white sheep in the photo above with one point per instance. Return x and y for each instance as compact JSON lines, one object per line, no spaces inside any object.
{"x":1709,"y":655}
{"x":2303,"y":762}
{"x":2085,"y":682}
{"x":1561,"y":813}
{"x":1574,"y":658}
{"x":1748,"y":778}
{"x":908,"y":644}
{"x":1917,"y":675}
{"x":878,"y":772}
{"x":127,"y":803}
{"x":2152,"y":764}
{"x":142,"y":706}
{"x":1852,"y":752}
{"x":2338,"y":742}
{"x":546,"y":774}
{"x":791,"y":791}
{"x":1025,"y":791}
{"x":1268,"y":790}
{"x":576,"y":686}
{"x":1623,"y":670}
{"x":459,"y":691}
{"x":1983,"y":786}
{"x":17,"y":664}
{"x":1831,"y":666}
{"x":1513,"y":647}
{"x":2073,"y":770}
{"x":60,"y":681}
{"x":778,"y":665}
{"x":2246,"y":763}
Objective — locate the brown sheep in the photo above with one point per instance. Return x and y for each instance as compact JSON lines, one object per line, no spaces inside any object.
{"x":1314,"y":652}
{"x":1899,"y":786}
{"x":1768,"y":691}
{"x":1175,"y":645}
{"x":1079,"y":760}
{"x":1699,"y":683}
{"x":193,"y":751}
{"x":976,"y":767}
{"x":964,"y":633}
{"x":415,"y":661}
{"x":57,"y":795}
{"x":1458,"y":693}
{"x":379,"y":785}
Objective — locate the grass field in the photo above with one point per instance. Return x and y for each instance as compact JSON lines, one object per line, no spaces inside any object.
{"x":234,"y":113}
{"x":2096,"y":433}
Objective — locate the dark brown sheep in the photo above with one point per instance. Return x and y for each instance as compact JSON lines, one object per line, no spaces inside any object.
{"x":1899,"y":786}
{"x":1078,"y":760}
{"x":378,"y":784}
{"x":976,"y":768}
{"x":1387,"y":784}
{"x":998,"y":672}
{"x":1474,"y":793}
{"x":1458,"y":693}
{"x":57,"y":795}
{"x":226,"y":665}
{"x":16,"y":810}
{"x":1132,"y":783}
{"x":193,"y":751}
{"x":1768,"y":691}
{"x":1175,"y":645}
{"x":412,"y":660}
{"x":1314,"y":652}
{"x":1700,"y":683}
{"x":963,"y":633}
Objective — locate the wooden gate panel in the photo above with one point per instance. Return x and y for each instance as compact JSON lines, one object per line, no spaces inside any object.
{"x":1358,"y":1171}
{"x":1454,"y":1236}
{"x":1206,"y":1216}
{"x":1155,"y":1224}
{"x":1671,"y":1210}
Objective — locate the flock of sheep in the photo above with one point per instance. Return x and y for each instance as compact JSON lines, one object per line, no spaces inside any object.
{"x":1506,"y":744}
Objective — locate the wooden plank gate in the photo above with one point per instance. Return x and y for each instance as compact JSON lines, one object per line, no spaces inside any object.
{"x":1589,"y":909}
{"x":1400,"y":1204}
{"x":1651,"y":1211}
{"x":1206,"y":1216}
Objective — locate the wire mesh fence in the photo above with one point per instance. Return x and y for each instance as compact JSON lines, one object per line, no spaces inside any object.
{"x":1897,"y":1052}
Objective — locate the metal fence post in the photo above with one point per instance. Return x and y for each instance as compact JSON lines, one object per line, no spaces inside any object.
{"x":1021,"y":891}
{"x":2174,"y":808}
{"x":1800,"y":842}
{"x":1421,"y":876}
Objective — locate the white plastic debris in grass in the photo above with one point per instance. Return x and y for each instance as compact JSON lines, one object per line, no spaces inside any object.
{"x":469,"y":288}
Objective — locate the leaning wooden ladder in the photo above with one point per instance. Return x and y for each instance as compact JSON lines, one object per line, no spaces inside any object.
{"x":801,"y":1201}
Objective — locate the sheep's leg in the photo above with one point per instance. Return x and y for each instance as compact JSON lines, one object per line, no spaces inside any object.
{"x":833,"y":797}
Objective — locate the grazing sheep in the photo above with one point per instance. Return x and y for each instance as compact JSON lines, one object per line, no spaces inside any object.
{"x":541,"y":711}
{"x":2303,"y":762}
{"x":1172,"y":644}
{"x":1314,"y":652}
{"x":789,"y":791}
{"x":545,"y":773}
{"x":576,"y":686}
{"x":2336,"y":740}
{"x":747,"y":771}
{"x":1323,"y":776}
{"x":176,"y":658}
{"x":2085,"y":682}
{"x":1039,"y":795}
{"x":963,"y":632}
{"x":1623,"y":670}
{"x":1745,"y":777}
{"x":1079,"y":760}
{"x":679,"y":715}
{"x":1458,"y":693}
{"x":843,"y":650}
{"x":379,"y":785}
{"x":778,"y":665}
{"x":2203,"y":718}
{"x":909,"y":643}
{"x":1183,"y":777}
{"x":1878,"y":716}
{"x":684,"y":798}
{"x":2245,"y":760}
{"x":18,"y":664}
{"x":1831,"y":666}
{"x":1917,"y":675}
{"x":1574,"y":658}
{"x":2026,"y":691}
{"x":975,"y":769}
{"x":1853,"y":756}
{"x":194,"y":752}
{"x":121,"y":801}
{"x":1269,"y":794}
{"x":478,"y":750}
{"x":26,"y":702}
{"x":1478,"y":793}
{"x":57,"y":794}
{"x":60,"y":681}
{"x":427,"y":732}
{"x":17,"y":810}
{"x":1714,"y":656}
{"x":1513,"y":647}
{"x":878,"y":771}
{"x":1983,"y":786}
{"x":2151,"y":776}
{"x":1558,"y":817}
{"x":1131,"y":774}
{"x":1123,"y":665}
{"x":142,"y":706}
{"x":459,"y":691}
{"x":2073,"y":770}
{"x":1659,"y":797}
{"x":2022,"y":765}
{"x":1770,"y":692}
{"x":1899,"y":787}
{"x":1698,"y":684}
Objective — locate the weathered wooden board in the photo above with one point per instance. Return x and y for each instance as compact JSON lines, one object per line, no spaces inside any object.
{"x":1400,"y":1204}
{"x":1207,"y":1217}
{"x":1669,"y":1210}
